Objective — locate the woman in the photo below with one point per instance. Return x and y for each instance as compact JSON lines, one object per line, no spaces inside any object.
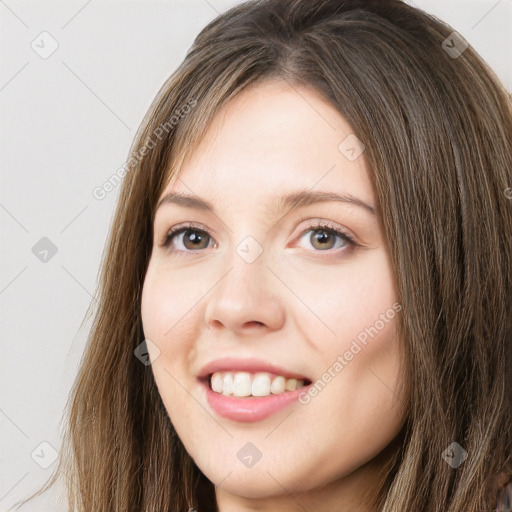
{"x":238,"y":360}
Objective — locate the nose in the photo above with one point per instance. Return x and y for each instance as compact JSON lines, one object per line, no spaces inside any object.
{"x":246,"y":299}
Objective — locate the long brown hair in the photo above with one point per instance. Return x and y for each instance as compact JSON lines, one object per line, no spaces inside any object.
{"x":437,"y":130}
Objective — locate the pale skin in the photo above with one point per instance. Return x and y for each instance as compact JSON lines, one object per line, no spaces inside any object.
{"x":300,"y":305}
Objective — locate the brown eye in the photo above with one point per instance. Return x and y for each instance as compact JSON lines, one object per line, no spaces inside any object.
{"x":192,"y":239}
{"x":322,"y":239}
{"x":325,"y":238}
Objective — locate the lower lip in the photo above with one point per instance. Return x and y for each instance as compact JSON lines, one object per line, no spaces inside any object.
{"x":249,"y":409}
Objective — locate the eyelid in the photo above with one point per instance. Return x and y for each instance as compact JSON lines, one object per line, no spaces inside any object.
{"x":329,"y":224}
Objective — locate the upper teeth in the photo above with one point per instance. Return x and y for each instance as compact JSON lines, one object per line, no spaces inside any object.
{"x":247,"y":384}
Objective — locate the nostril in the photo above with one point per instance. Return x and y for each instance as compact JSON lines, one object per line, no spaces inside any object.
{"x":254,"y":323}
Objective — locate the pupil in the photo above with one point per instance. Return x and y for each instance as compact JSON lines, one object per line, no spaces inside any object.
{"x":194,"y":237}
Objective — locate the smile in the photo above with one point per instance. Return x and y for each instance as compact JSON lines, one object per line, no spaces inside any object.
{"x":246,"y":384}
{"x":251,"y":408}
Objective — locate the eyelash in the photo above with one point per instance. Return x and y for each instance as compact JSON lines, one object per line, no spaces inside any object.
{"x":322,"y":225}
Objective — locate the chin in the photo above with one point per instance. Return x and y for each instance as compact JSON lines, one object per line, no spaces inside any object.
{"x":263,"y":481}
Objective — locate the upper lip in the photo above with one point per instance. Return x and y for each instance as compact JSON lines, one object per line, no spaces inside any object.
{"x":252,"y":365}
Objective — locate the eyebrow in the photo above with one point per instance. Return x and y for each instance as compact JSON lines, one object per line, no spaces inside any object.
{"x":288,"y":202}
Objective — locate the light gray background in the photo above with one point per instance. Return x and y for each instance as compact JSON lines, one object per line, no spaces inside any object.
{"x":67,"y":124}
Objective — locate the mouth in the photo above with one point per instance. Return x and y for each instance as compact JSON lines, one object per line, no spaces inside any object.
{"x":250,"y":385}
{"x":251,"y":397}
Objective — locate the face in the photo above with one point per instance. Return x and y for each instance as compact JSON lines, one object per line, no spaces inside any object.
{"x":258,"y":291}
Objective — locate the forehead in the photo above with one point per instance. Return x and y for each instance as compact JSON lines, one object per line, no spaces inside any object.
{"x":272,"y":138}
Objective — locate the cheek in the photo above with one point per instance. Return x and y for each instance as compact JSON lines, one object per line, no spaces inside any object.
{"x":170,"y":322}
{"x":346,"y":302}
{"x":168,"y":305}
{"x":359,"y":356}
